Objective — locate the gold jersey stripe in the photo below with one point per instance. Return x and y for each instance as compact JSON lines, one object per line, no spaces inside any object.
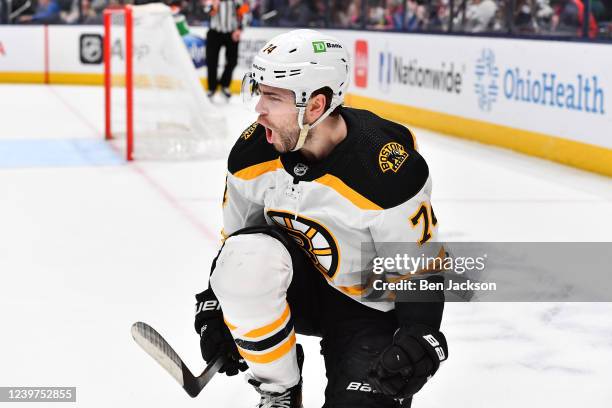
{"x":267,"y":329}
{"x":271,"y":356}
{"x":257,"y":170}
{"x":347,"y":192}
{"x":224,"y":235}
{"x":229,"y":325}
{"x":352,"y":290}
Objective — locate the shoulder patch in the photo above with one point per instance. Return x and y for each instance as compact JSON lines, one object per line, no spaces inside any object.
{"x":383,"y":166}
{"x":250,"y":149}
{"x":249,"y":131}
{"x":391,"y":157}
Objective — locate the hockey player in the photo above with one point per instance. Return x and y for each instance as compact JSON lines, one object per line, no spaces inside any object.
{"x":307,"y":184}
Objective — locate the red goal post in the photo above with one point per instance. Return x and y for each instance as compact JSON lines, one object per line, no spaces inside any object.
{"x":129,"y":75}
{"x":163,"y":111}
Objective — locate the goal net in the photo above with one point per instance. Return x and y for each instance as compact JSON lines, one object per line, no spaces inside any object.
{"x":153,"y":96}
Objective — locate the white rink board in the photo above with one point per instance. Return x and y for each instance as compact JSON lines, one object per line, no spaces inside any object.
{"x":473,"y":69}
{"x":23,"y":49}
{"x":566,"y":87}
{"x":65,"y":54}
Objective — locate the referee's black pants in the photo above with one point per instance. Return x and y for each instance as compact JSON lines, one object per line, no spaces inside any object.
{"x":214,"y":41}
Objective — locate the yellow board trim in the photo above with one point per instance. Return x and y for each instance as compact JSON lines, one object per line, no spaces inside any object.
{"x":347,"y":192}
{"x":582,"y":155}
{"x":273,"y":355}
{"x":73,"y":78}
{"x":65,"y":78}
{"x":235,"y":85}
{"x":22,"y":77}
{"x":257,"y":170}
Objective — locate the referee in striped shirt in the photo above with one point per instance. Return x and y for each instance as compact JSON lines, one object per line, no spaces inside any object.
{"x":225,"y":29}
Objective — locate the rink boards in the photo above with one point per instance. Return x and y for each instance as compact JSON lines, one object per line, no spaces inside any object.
{"x":549,"y":99}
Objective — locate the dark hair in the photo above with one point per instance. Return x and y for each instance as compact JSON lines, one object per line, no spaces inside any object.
{"x":329,"y":94}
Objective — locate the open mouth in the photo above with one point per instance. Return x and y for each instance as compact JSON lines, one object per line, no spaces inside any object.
{"x":269,"y":135}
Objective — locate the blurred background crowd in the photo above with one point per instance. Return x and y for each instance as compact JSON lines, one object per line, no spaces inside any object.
{"x":550,"y":18}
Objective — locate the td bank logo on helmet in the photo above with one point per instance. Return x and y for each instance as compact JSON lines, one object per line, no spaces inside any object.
{"x":324,"y":46}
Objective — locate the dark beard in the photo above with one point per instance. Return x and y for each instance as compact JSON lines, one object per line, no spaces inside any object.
{"x":287,"y":143}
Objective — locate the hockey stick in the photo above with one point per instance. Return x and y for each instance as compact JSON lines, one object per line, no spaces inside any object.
{"x":158,"y":348}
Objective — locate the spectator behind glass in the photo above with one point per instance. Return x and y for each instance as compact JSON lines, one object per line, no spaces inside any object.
{"x":319,"y":8}
{"x":47,"y":12}
{"x":479,"y":16}
{"x":396,"y":12}
{"x":416,"y":16}
{"x":605,"y":17}
{"x":378,"y":16}
{"x":346,"y":13}
{"x":439,"y":16}
{"x":532,"y":16}
{"x":255,"y":14}
{"x":340,"y":13}
{"x":298,"y":13}
{"x":271,"y":11}
{"x":354,"y":12}
{"x":91,"y":12}
{"x":569,"y":18}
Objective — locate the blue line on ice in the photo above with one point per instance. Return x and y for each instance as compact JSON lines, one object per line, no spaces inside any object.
{"x":57,"y":153}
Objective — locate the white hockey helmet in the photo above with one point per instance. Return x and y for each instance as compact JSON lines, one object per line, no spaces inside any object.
{"x":301,"y":61}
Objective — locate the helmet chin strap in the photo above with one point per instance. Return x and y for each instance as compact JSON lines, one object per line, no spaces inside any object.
{"x":305,"y":127}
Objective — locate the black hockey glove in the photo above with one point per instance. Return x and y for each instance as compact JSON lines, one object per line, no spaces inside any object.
{"x":405,"y":366}
{"x":215,"y":337}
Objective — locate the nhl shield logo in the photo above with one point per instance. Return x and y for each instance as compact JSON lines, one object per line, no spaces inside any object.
{"x":391,"y":157}
{"x":300,"y":169}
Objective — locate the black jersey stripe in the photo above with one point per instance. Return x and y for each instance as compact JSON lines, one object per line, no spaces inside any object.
{"x":268,"y":343}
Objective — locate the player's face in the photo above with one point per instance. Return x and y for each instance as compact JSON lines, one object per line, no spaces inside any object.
{"x":278,"y":114}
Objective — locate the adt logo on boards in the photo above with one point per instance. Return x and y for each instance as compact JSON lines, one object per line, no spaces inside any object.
{"x":578,"y":91}
{"x":139,"y":52}
{"x":91,"y":48}
{"x":361,"y":64}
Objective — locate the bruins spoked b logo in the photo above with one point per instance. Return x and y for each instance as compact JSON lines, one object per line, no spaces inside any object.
{"x":392,"y":156}
{"x":313,"y":237}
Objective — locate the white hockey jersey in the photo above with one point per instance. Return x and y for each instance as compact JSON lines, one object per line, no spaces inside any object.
{"x":373,"y":188}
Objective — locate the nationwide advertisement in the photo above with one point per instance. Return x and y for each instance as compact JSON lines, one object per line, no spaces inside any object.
{"x":553,"y":88}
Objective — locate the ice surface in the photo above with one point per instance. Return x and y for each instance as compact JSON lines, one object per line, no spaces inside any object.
{"x":90,"y":244}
